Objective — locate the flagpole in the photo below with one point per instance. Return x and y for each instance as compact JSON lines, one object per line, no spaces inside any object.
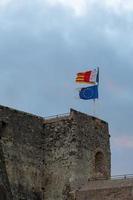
{"x":94,"y":111}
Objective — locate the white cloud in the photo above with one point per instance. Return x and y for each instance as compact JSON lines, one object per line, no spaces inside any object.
{"x":119,"y":5}
{"x":80,"y":7}
{"x":5,"y":3}
{"x":123,"y":141}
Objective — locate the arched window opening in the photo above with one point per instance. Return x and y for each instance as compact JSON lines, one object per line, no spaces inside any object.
{"x":99,"y":164}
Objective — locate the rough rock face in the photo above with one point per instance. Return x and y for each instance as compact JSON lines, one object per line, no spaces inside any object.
{"x":47,"y":158}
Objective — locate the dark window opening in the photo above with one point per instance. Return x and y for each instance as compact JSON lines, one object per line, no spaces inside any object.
{"x":99,"y":164}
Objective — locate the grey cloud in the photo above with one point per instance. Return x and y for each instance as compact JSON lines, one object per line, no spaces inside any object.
{"x":42,"y":49}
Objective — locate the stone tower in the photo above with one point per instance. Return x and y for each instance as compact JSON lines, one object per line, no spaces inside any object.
{"x":77,"y":148}
{"x":47,"y":158}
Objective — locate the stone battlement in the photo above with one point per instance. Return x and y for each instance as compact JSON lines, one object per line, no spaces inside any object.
{"x":70,"y":115}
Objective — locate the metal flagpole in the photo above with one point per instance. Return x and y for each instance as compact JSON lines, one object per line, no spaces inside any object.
{"x":94,"y":100}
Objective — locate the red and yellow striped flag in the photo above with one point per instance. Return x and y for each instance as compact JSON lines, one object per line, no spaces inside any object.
{"x":87,"y":77}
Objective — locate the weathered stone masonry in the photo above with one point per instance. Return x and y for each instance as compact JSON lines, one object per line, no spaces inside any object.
{"x":71,"y":144}
{"x":118,"y":189}
{"x":46,"y":159}
{"x":21,"y":141}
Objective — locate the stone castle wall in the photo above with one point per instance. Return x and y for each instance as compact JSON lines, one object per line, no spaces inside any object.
{"x":105,"y":190}
{"x":21,"y":140}
{"x":5,"y":190}
{"x":46,"y":159}
{"x":71,"y":144}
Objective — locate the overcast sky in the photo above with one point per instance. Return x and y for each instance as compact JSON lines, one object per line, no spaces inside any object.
{"x":44,"y":43}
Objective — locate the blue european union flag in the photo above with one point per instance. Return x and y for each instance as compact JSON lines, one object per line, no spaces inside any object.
{"x":89,"y":92}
